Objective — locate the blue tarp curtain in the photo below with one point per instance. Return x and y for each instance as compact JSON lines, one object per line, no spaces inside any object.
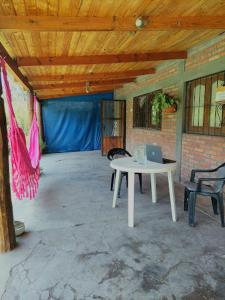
{"x":73,"y":123}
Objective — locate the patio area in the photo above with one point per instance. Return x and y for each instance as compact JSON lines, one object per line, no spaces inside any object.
{"x":77,"y":247}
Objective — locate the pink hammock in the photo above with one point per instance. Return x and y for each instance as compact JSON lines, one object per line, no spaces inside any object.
{"x":25,"y":163}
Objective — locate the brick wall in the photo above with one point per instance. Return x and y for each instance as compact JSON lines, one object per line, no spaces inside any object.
{"x":201,"y":152}
{"x":199,"y":57}
{"x":166,"y":137}
{"x":164,"y":73}
{"x":198,"y":151}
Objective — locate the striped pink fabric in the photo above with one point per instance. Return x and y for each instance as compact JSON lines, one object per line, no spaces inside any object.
{"x":25,"y":162}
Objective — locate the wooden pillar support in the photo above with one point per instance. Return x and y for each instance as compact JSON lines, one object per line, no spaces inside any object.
{"x":40,"y":122}
{"x":30,"y":107}
{"x":7,"y":231}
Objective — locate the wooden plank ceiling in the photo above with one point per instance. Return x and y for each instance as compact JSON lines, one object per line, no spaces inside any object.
{"x":61,"y":45}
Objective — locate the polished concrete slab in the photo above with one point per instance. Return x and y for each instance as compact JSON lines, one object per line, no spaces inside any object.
{"x":77,"y":247}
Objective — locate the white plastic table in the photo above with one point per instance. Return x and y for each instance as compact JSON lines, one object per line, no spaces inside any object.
{"x":130,"y":166}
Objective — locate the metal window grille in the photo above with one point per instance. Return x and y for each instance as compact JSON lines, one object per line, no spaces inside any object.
{"x":203,"y":115}
{"x":144,"y":115}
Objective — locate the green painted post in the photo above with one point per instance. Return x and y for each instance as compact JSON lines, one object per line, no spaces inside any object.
{"x":180,"y":118}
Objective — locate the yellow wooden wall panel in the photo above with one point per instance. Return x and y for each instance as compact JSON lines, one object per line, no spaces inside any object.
{"x":91,"y":43}
{"x":93,"y":7}
{"x":7,"y":44}
{"x":7,"y":8}
{"x":36,"y":39}
{"x":20,"y":8}
{"x":44,"y":43}
{"x":69,"y":7}
{"x":29,"y":43}
{"x":21,"y":43}
{"x":42,"y":7}
{"x":14,"y":41}
{"x":84,"y":8}
{"x":57,"y":70}
{"x":31,"y":7}
{"x":74,"y":42}
{"x":112,"y":7}
{"x":53,"y":7}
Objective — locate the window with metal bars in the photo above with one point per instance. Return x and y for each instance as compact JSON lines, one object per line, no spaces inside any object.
{"x":144,"y":115}
{"x":203,"y":114}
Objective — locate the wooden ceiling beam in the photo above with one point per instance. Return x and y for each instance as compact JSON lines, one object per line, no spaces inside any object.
{"x":99,"y":59}
{"x":77,"y":90}
{"x":14,"y":67}
{"x":91,"y":76}
{"x":56,"y":23}
{"x":81,"y":84}
{"x":44,"y":97}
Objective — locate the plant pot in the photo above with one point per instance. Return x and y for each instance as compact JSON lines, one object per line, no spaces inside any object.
{"x":19,"y":228}
{"x":171,"y":109}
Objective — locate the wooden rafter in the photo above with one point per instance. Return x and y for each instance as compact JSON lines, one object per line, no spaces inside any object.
{"x":14,"y":67}
{"x":43,"y":97}
{"x":99,"y":59}
{"x":56,"y":23}
{"x":91,"y":76}
{"x":81,"y":84}
{"x":77,"y":90}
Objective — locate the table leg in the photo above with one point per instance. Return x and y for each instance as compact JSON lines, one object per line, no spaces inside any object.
{"x":172,"y":196}
{"x":116,"y":189}
{"x":153,"y":188}
{"x":131,"y":199}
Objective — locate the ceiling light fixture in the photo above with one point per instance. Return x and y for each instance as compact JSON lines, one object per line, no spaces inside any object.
{"x":87,"y":87}
{"x":140,"y":22}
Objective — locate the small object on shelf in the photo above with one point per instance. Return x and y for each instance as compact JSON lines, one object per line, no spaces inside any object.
{"x":19,"y":228}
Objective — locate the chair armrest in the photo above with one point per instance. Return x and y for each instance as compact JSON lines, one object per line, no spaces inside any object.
{"x":194,"y":171}
{"x":200,"y":180}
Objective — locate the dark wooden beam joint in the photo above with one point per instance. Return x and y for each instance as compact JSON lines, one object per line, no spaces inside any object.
{"x":14,"y":67}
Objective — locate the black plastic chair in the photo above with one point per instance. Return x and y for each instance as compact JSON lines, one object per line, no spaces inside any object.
{"x":215,"y":191}
{"x":116,"y":153}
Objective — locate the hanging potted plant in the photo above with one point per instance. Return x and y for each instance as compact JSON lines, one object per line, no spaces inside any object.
{"x":164,"y":102}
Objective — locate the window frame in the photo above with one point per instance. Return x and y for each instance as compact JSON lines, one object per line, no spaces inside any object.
{"x":205,"y":129}
{"x":148,"y":112}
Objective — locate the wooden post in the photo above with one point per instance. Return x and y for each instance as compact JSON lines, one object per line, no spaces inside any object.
{"x":7,"y":231}
{"x":30,"y":107}
{"x":39,"y":119}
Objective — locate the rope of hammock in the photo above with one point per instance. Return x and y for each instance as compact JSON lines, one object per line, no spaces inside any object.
{"x":25,"y":161}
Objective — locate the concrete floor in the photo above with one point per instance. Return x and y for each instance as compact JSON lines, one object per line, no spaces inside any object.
{"x":78,"y":247}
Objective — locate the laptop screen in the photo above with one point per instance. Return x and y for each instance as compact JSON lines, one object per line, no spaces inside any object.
{"x":154,"y":153}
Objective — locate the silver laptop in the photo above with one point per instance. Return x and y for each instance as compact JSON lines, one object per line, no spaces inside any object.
{"x":154,"y":153}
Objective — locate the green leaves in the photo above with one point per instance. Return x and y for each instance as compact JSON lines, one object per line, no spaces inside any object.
{"x":161,"y":101}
